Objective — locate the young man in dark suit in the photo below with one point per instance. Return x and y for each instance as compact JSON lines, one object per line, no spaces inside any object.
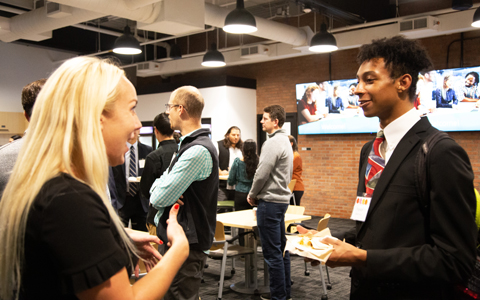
{"x":157,"y":162}
{"x":131,"y":205}
{"x":399,"y":250}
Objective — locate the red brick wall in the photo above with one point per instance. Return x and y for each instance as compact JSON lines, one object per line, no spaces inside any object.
{"x":331,"y":167}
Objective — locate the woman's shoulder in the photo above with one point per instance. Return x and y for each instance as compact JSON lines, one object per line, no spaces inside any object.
{"x":65,"y":188}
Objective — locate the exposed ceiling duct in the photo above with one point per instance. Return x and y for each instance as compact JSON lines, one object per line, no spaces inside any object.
{"x":172,"y":20}
{"x":36,"y":22}
{"x":270,"y":30}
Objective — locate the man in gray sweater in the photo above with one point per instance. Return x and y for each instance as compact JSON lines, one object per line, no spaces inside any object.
{"x":9,"y":152}
{"x":270,"y":192}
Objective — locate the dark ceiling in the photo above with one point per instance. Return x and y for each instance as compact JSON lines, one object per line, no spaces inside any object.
{"x":337,"y":13}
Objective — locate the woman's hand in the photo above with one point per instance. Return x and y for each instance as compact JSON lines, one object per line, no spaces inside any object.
{"x":142,"y":241}
{"x":175,"y":233}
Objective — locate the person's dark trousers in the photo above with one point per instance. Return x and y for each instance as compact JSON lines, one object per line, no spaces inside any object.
{"x":241,"y":203}
{"x":133,"y":211}
{"x":186,"y":284}
{"x":298,"y":196}
{"x":271,"y":226}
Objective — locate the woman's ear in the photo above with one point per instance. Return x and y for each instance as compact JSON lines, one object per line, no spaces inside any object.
{"x":102,"y":120}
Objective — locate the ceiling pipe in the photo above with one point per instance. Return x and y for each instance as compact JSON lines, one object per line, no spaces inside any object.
{"x":12,"y":10}
{"x":36,"y":22}
{"x":145,"y":14}
{"x":135,"y":4}
{"x":96,"y":29}
{"x":396,"y":20}
{"x":81,"y":26}
{"x":270,"y":30}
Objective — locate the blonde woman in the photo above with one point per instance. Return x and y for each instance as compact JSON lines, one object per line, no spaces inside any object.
{"x":60,"y":237}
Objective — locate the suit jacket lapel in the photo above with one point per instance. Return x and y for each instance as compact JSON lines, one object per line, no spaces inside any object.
{"x":404,"y":147}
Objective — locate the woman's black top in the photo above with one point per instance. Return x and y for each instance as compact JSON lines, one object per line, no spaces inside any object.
{"x":71,"y":244}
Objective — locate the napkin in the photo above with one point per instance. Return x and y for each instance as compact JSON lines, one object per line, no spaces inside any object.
{"x":310,"y":245}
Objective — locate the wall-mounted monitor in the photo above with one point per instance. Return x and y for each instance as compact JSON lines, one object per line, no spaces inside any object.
{"x":449,"y":98}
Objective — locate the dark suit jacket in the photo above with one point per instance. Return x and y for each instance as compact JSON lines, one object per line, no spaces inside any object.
{"x":451,"y":98}
{"x":120,"y":180}
{"x":155,"y":165}
{"x":410,"y":256}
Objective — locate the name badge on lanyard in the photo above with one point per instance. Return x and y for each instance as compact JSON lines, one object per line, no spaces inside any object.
{"x":360,"y":210}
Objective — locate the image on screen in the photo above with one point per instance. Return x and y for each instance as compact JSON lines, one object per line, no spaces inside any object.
{"x":449,"y":98}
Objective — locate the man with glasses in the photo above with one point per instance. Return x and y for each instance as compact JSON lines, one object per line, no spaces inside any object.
{"x":193,"y":177}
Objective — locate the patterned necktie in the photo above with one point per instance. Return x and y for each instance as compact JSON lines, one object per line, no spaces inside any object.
{"x":376,"y":164}
{"x":132,"y":186}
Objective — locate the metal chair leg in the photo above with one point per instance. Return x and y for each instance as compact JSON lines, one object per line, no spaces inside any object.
{"x":329,"y":284}
{"x":307,"y":273}
{"x":323,"y":280}
{"x":222,"y":271}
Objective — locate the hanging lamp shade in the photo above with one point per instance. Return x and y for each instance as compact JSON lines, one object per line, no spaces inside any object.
{"x":213,"y":58}
{"x":476,"y":18}
{"x":240,"y":20}
{"x":175,"y":51}
{"x":323,"y":41}
{"x":127,"y":43}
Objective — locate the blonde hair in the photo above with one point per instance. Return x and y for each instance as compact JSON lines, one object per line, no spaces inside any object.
{"x":190,"y":97}
{"x":64,"y":136}
{"x":309,"y":90}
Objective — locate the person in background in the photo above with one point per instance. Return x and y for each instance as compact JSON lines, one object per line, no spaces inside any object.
{"x":241,"y":176}
{"x":193,"y":177}
{"x":176,"y":136}
{"x":228,"y":149}
{"x":60,"y":235}
{"x":470,"y":90}
{"x":9,"y":152}
{"x":14,"y":137}
{"x":352,"y":99}
{"x":298,"y":189}
{"x":271,"y":193}
{"x":446,"y":97}
{"x":242,"y":172}
{"x":403,"y":248}
{"x":131,"y":205}
{"x":157,"y":162}
{"x":335,"y":105}
{"x":425,"y":92}
{"x":307,"y":106}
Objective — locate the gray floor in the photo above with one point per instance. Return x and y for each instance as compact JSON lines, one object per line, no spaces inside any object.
{"x":304,"y":287}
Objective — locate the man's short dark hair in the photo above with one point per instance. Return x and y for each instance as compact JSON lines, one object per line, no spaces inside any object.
{"x":475,"y":75}
{"x":29,"y":95}
{"x":401,"y":56}
{"x":162,"y":123}
{"x":276,"y":112}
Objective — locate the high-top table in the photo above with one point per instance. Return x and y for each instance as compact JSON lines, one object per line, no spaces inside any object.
{"x":245,"y":219}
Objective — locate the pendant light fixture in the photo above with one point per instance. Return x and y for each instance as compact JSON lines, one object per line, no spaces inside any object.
{"x":323,"y":41}
{"x":213,"y":57}
{"x":476,"y":18}
{"x":127,"y":43}
{"x":240,"y":20}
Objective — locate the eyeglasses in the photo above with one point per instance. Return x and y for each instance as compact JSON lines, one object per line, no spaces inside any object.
{"x":170,"y":106}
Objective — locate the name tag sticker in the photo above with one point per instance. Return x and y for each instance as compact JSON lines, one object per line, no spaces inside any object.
{"x":141,"y":163}
{"x":360,"y":209}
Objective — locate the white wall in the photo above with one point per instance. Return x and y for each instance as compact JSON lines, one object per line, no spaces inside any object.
{"x":20,"y":65}
{"x":226,"y":106}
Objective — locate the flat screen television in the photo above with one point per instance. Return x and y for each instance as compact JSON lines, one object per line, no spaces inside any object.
{"x":447,"y":97}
